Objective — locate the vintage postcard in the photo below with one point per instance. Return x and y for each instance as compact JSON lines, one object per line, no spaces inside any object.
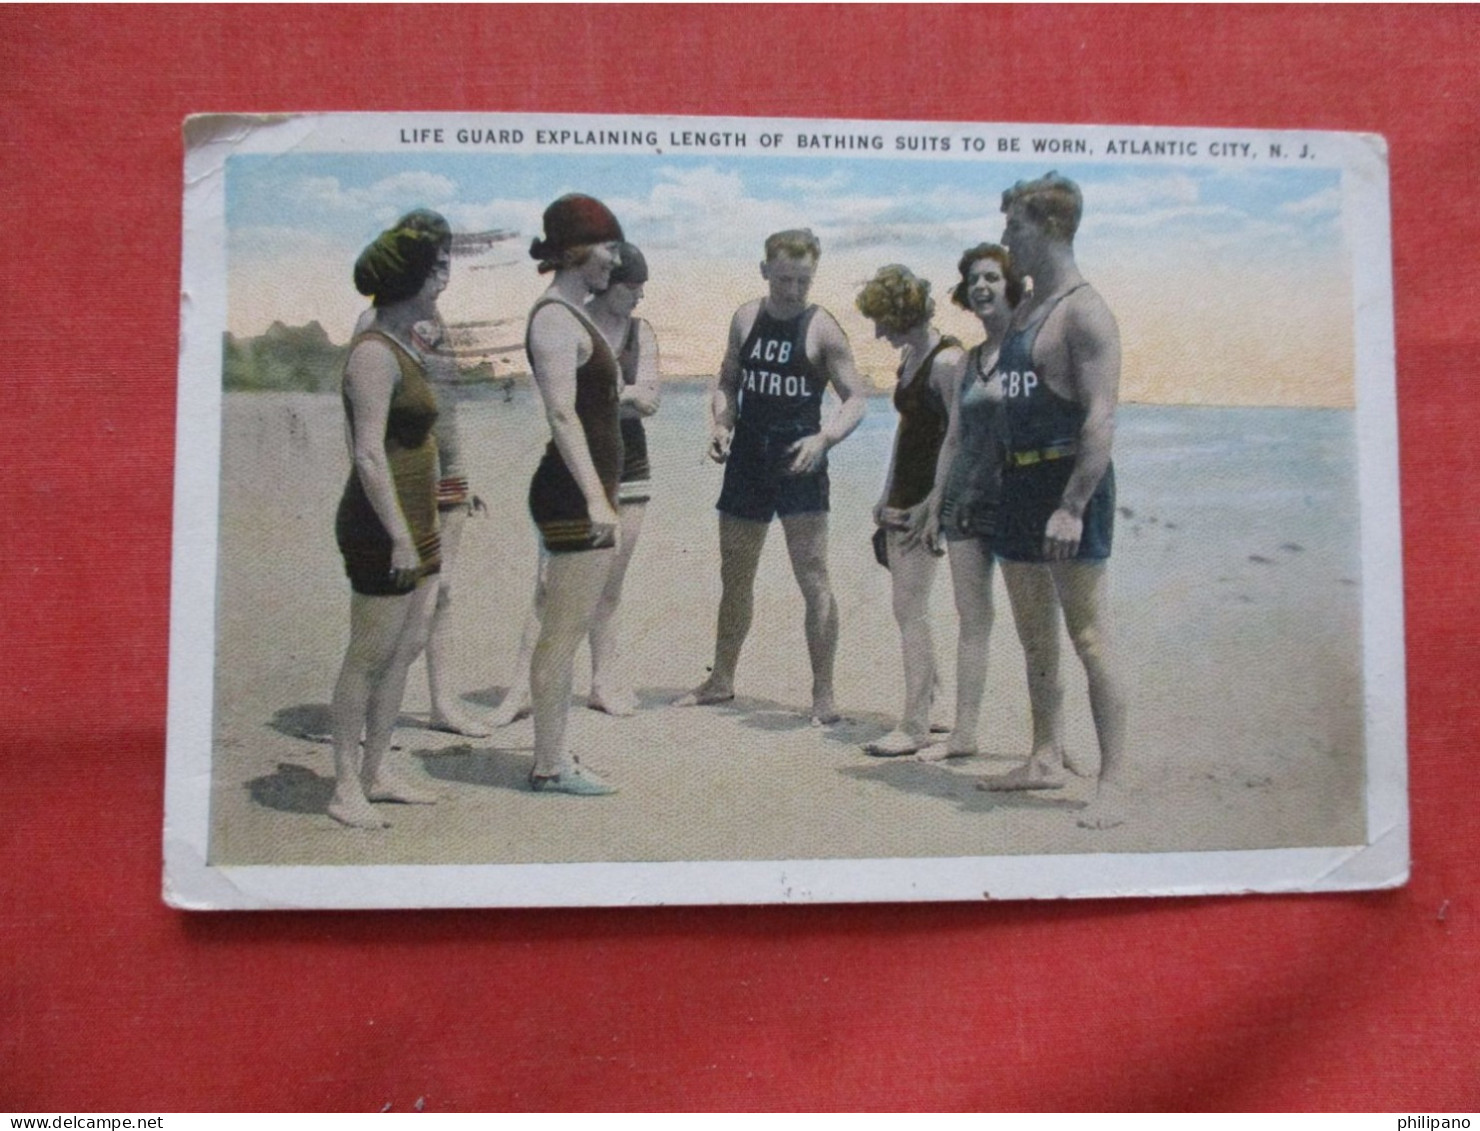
{"x":594,"y":510}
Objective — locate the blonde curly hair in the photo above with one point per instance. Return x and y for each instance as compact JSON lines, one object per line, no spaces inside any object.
{"x":897,"y":299}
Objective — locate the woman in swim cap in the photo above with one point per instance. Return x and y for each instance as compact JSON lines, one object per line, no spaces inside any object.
{"x":455,"y":501}
{"x":573,"y":496}
{"x":386,"y":525}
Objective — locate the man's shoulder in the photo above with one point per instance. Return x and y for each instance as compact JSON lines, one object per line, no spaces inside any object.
{"x":1087,"y":309}
{"x":820,"y":320}
{"x":743,"y":320}
{"x":823,"y":330}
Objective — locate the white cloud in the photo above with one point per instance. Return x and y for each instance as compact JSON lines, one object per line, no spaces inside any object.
{"x":1154,"y":218}
{"x":383,"y":201}
{"x":1141,"y":192}
{"x":1325,"y":202}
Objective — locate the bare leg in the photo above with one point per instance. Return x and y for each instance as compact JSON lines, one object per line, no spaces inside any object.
{"x":912,"y":573}
{"x":374,"y":627}
{"x":516,"y":701}
{"x":806,"y":545}
{"x":971,"y":583}
{"x":447,"y":713}
{"x":573,"y":586}
{"x":1084,"y":593}
{"x":609,"y":692}
{"x":740,"y":545}
{"x":1035,"y":611}
{"x":383,"y":780}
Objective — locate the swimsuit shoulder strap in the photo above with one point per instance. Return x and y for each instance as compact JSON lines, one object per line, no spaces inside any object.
{"x":598,"y":340}
{"x":580,"y":315}
{"x":1041,"y":316}
{"x":399,"y":350}
{"x":946,"y":342}
{"x":806,"y":323}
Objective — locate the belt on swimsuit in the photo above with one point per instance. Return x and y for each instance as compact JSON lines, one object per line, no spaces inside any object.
{"x":1041,"y":455}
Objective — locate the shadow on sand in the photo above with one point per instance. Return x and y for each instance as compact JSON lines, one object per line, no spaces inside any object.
{"x":292,"y":789}
{"x":495,"y":767}
{"x":922,"y":779}
{"x":314,"y":722}
{"x":773,"y":717}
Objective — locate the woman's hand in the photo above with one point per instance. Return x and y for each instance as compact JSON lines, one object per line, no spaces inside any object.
{"x":405,"y":565}
{"x":924,"y":525}
{"x":606,"y":529}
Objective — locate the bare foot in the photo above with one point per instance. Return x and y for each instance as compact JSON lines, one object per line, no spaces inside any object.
{"x":895,"y":744}
{"x":355,"y":812}
{"x":514,"y":707}
{"x":824,"y":710}
{"x":1032,"y":774}
{"x":619,"y":704}
{"x":1107,"y":810}
{"x":455,"y":722}
{"x":706,"y":694}
{"x":959,"y":745}
{"x":388,"y":787}
{"x":1079,"y":766}
{"x":941,"y":751}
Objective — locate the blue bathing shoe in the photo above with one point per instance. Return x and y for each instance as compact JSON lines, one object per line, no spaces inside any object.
{"x":577,"y":780}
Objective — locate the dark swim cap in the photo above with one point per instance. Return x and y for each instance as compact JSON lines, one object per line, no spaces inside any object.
{"x":575,"y":220}
{"x":632,"y":270}
{"x":400,"y":260}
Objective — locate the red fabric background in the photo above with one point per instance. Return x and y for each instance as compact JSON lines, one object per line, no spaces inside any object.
{"x":110,"y":1001}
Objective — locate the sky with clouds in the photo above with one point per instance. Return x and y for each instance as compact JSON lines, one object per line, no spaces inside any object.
{"x":1231,"y":285}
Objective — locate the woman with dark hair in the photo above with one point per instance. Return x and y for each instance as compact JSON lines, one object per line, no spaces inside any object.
{"x":962,"y":506}
{"x":573,"y":497}
{"x":636,"y":349}
{"x":455,"y":502}
{"x":386,"y":525}
{"x":637,"y":356}
{"x":900,"y":306}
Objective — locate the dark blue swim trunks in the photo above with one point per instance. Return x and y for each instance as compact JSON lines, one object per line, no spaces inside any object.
{"x":758,"y":486}
{"x":1031,"y":494}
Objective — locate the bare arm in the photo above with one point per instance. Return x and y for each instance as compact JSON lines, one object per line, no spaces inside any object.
{"x":555,"y":340}
{"x":1092,"y":341}
{"x":643,"y":396}
{"x":883,"y":502}
{"x":724,"y":402}
{"x":836,"y":356}
{"x":442,"y":372}
{"x":370,"y":378}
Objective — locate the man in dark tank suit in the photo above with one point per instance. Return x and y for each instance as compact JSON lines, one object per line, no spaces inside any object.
{"x":1059,"y":369}
{"x":1043,"y":431}
{"x":767,"y":429}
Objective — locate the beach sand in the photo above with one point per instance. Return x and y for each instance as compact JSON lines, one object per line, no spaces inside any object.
{"x":1236,"y":590}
